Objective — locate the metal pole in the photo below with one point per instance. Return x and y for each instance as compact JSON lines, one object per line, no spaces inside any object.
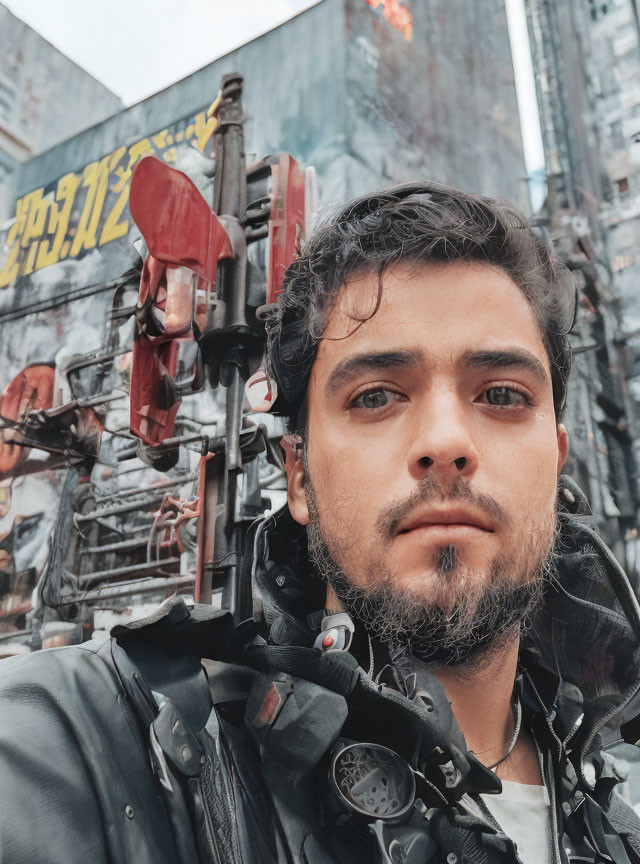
{"x":145,"y":586}
{"x":165,"y":484}
{"x":123,"y":546}
{"x":100,"y":575}
{"x":118,"y":509}
{"x":230,"y":203}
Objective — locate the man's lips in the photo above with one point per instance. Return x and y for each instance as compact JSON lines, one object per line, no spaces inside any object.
{"x":453,"y":518}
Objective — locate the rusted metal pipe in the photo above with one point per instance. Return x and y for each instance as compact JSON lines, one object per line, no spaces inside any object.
{"x":165,"y":484}
{"x":101,"y":575}
{"x":116,"y":547}
{"x":144,"y":586}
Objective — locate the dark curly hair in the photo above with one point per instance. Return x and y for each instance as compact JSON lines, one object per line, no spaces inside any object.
{"x":421,"y":223}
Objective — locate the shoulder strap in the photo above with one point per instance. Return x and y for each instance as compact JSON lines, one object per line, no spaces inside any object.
{"x":337,"y":671}
{"x":626,"y":823}
{"x":166,"y":650}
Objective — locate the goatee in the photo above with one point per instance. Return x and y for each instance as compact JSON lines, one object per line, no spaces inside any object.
{"x":456,"y":616}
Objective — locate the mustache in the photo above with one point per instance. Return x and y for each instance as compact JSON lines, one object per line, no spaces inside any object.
{"x":428,"y":490}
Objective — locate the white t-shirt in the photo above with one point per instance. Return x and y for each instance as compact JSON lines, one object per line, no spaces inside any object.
{"x":523,"y":813}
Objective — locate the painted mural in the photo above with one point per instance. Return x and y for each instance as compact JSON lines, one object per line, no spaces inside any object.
{"x":74,"y":361}
{"x":122,"y":522}
{"x":396,"y":13}
{"x":87,"y":209}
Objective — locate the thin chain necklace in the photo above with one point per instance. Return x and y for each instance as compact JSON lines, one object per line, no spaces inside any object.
{"x":517,"y":713}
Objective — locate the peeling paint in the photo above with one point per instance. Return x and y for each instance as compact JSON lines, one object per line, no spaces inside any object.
{"x":396,"y":14}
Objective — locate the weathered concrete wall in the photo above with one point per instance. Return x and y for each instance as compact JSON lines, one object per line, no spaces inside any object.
{"x":440,"y":106}
{"x":44,"y":96}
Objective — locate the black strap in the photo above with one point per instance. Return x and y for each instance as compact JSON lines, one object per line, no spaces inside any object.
{"x":337,"y":671}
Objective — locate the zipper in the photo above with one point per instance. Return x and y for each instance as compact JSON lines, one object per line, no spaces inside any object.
{"x":546,"y":716}
{"x":231,"y":849}
{"x":206,"y":808}
{"x":549,"y":782}
{"x":547,"y":778}
{"x":477,"y":808}
{"x":546,"y":770}
{"x":484,"y":812}
{"x":573,"y":731}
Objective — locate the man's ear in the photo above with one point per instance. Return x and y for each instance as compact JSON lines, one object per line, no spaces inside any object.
{"x":294,"y":466}
{"x":563,"y":447}
{"x":295,"y":491}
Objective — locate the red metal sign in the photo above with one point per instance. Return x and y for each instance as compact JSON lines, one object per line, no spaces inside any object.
{"x":186,"y":240}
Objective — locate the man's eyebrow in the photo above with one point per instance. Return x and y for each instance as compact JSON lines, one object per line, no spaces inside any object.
{"x":507,"y":358}
{"x":357,"y":364}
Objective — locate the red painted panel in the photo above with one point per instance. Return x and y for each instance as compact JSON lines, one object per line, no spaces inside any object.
{"x":286,"y":224}
{"x":181,"y":231}
{"x":30,"y":389}
{"x":176,"y":222}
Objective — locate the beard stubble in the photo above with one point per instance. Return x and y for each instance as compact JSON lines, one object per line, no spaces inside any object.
{"x":454,"y":615}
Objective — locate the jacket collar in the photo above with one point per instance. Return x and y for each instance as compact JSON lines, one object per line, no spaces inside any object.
{"x":582,"y":651}
{"x":581,"y":654}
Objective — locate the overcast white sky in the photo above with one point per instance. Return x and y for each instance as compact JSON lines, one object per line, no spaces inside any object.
{"x":136,"y":47}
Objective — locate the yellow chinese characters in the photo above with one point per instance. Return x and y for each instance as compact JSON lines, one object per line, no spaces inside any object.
{"x":85,"y":210}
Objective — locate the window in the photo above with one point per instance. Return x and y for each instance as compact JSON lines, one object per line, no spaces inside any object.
{"x":597,"y":9}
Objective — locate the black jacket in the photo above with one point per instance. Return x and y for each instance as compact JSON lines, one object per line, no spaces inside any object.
{"x":133,"y":750}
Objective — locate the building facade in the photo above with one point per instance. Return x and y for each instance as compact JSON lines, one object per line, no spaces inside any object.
{"x":587,"y":65}
{"x":44,"y":96}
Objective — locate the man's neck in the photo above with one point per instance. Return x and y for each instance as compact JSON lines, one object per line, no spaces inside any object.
{"x":482,"y":703}
{"x":481,"y":700}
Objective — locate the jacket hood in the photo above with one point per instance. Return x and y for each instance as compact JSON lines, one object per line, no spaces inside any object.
{"x":580,"y":654}
{"x":583,"y":646}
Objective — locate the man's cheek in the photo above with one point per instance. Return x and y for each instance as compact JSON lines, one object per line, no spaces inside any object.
{"x":346,"y":490}
{"x":530,"y":480}
{"x":532,"y":504}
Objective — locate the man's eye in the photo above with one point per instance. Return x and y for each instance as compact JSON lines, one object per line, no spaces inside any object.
{"x":372,"y":399}
{"x":505,"y":397}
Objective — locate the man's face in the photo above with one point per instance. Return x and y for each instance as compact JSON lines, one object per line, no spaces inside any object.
{"x":433,"y":449}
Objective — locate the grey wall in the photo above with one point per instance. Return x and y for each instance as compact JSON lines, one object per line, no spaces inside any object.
{"x":44,"y":96}
{"x":440,"y":107}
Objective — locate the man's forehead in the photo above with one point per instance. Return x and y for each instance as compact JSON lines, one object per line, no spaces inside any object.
{"x":440,"y":310}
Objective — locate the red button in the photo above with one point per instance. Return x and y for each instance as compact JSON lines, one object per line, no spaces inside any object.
{"x":328,"y":641}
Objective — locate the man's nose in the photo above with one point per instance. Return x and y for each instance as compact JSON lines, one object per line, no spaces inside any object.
{"x":442,"y":444}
